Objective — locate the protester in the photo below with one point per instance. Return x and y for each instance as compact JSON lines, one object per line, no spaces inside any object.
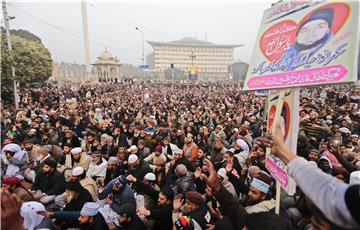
{"x":205,"y":144}
{"x":48,"y":182}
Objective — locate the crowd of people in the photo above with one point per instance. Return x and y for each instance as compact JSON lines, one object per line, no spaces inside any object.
{"x":151,"y":155}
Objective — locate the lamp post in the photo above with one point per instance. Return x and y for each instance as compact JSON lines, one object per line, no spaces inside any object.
{"x":192,"y":56}
{"x":143,"y":50}
{"x":7,"y":28}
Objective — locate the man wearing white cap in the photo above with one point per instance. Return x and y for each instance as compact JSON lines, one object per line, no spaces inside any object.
{"x":79,"y":174}
{"x":149,"y":179}
{"x":76,"y":158}
{"x":97,"y":167}
{"x":138,"y":167}
{"x":90,"y":218}
{"x":133,"y":149}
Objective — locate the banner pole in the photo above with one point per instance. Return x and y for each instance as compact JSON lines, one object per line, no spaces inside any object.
{"x":268,"y":150}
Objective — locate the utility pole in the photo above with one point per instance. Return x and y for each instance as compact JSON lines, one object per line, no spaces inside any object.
{"x":86,"y":39}
{"x":172,"y":75}
{"x":192,"y":56}
{"x":143,"y":50}
{"x":7,"y":28}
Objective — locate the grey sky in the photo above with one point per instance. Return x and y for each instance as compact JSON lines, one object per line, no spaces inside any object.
{"x":219,"y":22}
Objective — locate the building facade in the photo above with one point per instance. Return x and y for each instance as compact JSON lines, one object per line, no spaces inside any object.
{"x":72,"y":72}
{"x":210,"y":59}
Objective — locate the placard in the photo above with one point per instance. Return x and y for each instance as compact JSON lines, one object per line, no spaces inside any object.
{"x":312,"y":43}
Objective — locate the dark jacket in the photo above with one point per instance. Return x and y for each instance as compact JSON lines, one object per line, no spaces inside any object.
{"x":121,"y":140}
{"x":135,"y":224}
{"x":51,"y":184}
{"x":185,"y":162}
{"x":74,"y":142}
{"x":111,"y":151}
{"x":185,"y":184}
{"x":124,"y":196}
{"x":140,"y":171}
{"x":98,"y":224}
{"x":201,"y":215}
{"x":111,"y":174}
{"x":162,"y":215}
{"x":46,"y":223}
{"x":237,"y":213}
{"x":77,"y":203}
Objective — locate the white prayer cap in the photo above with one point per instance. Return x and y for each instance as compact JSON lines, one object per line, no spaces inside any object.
{"x":222,"y":173}
{"x":77,"y":171}
{"x":150,"y":176}
{"x":355,"y":177}
{"x":76,"y":150}
{"x":90,"y":209}
{"x":132,"y":158}
{"x":133,"y":148}
{"x":344,"y":130}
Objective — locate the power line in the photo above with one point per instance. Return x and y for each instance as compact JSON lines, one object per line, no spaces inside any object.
{"x":66,"y":30}
{"x":127,"y":20}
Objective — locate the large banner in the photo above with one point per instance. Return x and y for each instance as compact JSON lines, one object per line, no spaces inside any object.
{"x":303,"y":43}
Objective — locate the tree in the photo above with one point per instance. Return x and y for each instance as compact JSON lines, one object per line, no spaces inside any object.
{"x":26,"y":35}
{"x":31,"y":59}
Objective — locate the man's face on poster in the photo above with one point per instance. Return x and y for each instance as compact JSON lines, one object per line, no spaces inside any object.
{"x":312,"y":32}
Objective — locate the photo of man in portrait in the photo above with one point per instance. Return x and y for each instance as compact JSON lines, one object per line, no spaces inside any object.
{"x":311,"y":35}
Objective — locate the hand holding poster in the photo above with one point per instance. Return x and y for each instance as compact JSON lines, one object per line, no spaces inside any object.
{"x":311,"y":44}
{"x":283,"y":107}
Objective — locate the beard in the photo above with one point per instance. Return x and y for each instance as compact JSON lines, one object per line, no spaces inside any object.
{"x":301,"y":47}
{"x":217,"y":148}
{"x":77,"y":160}
{"x":129,"y":134}
{"x":69,"y":199}
{"x":85,"y":225}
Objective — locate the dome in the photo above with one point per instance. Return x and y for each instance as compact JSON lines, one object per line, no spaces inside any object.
{"x":106,"y":56}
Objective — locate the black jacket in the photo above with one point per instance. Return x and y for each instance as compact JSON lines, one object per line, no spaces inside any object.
{"x":77,"y":203}
{"x":162,"y":215}
{"x":111,"y":151}
{"x":185,"y":162}
{"x":74,"y":142}
{"x":51,"y":184}
{"x":98,"y":224}
{"x":237,"y":213}
{"x":201,"y":215}
{"x":135,"y":224}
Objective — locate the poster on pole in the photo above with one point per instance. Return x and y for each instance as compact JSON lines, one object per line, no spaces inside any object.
{"x":302,"y":43}
{"x":289,"y":120}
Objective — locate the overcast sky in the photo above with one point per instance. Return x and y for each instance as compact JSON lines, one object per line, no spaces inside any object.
{"x":112,"y":25}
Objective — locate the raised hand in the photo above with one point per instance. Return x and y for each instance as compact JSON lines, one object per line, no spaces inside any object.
{"x":275,"y":141}
{"x":131,"y":178}
{"x":197,"y":172}
{"x":10,"y":211}
{"x":212,"y":180}
{"x":177,"y":203}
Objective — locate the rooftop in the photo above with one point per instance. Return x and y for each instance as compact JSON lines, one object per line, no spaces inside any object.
{"x":188,"y":41}
{"x":107,"y":58}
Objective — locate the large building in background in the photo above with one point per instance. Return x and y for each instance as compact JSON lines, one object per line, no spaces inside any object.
{"x":211,"y":60}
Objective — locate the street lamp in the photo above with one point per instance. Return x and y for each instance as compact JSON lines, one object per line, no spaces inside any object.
{"x":143,"y":50}
{"x":7,"y":28}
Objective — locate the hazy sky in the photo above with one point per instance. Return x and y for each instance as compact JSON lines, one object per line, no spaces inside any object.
{"x":112,"y":25}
